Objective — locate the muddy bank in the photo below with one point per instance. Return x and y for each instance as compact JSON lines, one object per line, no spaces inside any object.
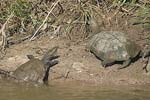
{"x":75,"y":63}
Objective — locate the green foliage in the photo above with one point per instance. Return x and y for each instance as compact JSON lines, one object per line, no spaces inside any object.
{"x":144,"y":12}
{"x":76,"y":15}
{"x":20,"y":8}
{"x":4,"y":11}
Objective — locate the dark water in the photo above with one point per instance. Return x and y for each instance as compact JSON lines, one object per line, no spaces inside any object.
{"x":9,"y":91}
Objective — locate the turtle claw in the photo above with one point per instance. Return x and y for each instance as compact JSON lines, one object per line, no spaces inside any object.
{"x":121,"y":67}
{"x":104,"y":64}
{"x":125,"y":64}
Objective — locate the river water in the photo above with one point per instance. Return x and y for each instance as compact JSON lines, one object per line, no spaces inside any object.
{"x":13,"y":91}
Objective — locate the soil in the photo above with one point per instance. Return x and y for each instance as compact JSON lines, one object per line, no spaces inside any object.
{"x":75,"y":63}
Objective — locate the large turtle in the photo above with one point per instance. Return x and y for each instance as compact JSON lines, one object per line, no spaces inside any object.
{"x":113,"y":46}
{"x":34,"y":70}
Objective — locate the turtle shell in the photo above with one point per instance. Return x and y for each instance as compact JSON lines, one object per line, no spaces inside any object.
{"x":113,"y":45}
{"x":33,"y":70}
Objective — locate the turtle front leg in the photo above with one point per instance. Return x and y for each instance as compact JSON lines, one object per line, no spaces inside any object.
{"x":107,"y":62}
{"x":125,"y":64}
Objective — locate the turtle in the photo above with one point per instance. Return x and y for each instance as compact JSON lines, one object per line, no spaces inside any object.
{"x":34,"y":70}
{"x":114,"y":46}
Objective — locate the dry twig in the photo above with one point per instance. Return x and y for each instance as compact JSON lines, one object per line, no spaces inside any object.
{"x":46,"y":18}
{"x":4,"y":37}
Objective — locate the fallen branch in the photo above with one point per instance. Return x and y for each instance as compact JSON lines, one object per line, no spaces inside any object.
{"x":53,"y":6}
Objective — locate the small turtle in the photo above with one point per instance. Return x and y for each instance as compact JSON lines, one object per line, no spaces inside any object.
{"x":34,"y":70}
{"x":113,"y":46}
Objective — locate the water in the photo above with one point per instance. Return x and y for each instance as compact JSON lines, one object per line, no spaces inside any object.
{"x":11,"y":91}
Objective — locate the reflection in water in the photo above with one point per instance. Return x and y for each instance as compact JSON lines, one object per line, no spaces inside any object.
{"x":27,"y":92}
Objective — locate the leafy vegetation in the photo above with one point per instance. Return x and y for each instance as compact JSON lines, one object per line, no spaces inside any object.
{"x":29,"y":14}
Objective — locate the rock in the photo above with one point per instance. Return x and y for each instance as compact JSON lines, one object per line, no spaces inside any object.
{"x":79,"y":67}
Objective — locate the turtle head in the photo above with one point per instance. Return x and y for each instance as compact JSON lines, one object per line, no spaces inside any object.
{"x":145,"y":52}
{"x":133,"y":49}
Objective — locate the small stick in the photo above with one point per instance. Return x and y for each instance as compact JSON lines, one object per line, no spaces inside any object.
{"x":66,"y":74}
{"x":44,"y":20}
